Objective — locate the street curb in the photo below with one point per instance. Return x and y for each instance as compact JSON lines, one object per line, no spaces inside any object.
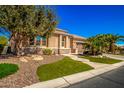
{"x":59,"y":82}
{"x":74,"y":78}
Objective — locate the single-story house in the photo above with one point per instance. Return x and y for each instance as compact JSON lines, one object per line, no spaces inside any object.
{"x":122,"y":49}
{"x":61,"y":42}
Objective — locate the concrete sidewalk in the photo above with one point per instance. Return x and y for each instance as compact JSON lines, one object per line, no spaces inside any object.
{"x":75,"y":78}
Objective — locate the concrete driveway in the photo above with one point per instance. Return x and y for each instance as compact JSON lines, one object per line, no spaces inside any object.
{"x":112,"y":79}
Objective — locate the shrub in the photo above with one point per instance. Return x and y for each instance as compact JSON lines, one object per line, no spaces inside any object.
{"x":3,"y":40}
{"x":47,"y":51}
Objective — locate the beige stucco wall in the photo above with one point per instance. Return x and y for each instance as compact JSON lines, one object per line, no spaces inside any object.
{"x":68,"y":46}
{"x":53,"y":41}
{"x":74,"y":43}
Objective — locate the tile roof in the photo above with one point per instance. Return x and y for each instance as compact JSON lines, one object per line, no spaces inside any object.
{"x":61,"y":31}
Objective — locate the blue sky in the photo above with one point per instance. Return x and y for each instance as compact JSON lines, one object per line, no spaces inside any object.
{"x":91,"y":20}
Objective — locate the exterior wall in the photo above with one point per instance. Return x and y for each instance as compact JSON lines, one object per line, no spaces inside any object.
{"x":74,"y":44}
{"x":53,"y":41}
{"x":80,"y":48}
{"x":77,"y":46}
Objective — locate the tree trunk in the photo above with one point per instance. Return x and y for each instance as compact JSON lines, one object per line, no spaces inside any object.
{"x":12,"y":44}
{"x":93,"y":51}
{"x":47,"y":42}
{"x":112,"y":48}
{"x":16,"y":44}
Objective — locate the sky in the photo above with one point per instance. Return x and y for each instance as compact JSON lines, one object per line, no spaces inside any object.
{"x":88,"y":21}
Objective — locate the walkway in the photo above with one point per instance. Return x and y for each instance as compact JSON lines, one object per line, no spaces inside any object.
{"x":93,"y":64}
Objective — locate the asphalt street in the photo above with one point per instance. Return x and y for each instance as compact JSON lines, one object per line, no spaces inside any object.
{"x":111,"y":79}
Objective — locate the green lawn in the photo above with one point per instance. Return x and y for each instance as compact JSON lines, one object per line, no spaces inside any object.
{"x":105,"y":60}
{"x":63,"y":67}
{"x":7,"y":69}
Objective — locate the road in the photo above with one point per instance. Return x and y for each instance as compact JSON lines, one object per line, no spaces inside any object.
{"x":112,"y":79}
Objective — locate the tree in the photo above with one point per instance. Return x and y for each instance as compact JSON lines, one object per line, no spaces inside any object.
{"x":92,"y":43}
{"x":103,"y":43}
{"x":26,"y":22}
{"x":111,"y":39}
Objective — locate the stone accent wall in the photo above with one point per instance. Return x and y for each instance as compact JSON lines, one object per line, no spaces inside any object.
{"x":65,"y":51}
{"x":33,"y":50}
{"x":55,"y":51}
{"x":38,"y":50}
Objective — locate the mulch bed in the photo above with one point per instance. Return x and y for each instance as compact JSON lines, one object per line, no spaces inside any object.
{"x":26,"y":74}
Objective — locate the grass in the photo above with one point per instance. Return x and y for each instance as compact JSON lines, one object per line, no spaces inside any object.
{"x":63,"y":67}
{"x":7,"y":69}
{"x":105,"y":60}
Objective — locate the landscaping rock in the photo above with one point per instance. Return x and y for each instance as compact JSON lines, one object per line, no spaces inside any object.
{"x":37,"y":57}
{"x":22,"y":59}
{"x":30,"y":58}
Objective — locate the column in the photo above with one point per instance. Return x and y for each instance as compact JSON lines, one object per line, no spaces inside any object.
{"x":60,"y":41}
{"x":41,"y":41}
{"x":67,"y":42}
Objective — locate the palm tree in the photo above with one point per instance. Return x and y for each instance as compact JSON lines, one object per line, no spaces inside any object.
{"x":111,"y":40}
{"x":103,"y":43}
{"x":93,"y":45}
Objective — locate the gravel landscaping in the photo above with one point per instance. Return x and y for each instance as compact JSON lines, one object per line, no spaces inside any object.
{"x":26,"y":75}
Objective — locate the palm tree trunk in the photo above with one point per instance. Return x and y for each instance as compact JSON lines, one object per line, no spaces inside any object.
{"x":113,"y":48}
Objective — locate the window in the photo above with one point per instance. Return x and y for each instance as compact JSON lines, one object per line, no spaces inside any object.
{"x":44,"y":41}
{"x":38,"y":38}
{"x":38,"y":41}
{"x":63,"y":41}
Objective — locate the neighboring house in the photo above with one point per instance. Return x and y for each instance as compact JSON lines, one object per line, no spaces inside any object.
{"x":61,"y":42}
{"x":122,"y":49}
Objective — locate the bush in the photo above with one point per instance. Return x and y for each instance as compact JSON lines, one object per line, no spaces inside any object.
{"x":3,"y":40}
{"x":47,"y":51}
